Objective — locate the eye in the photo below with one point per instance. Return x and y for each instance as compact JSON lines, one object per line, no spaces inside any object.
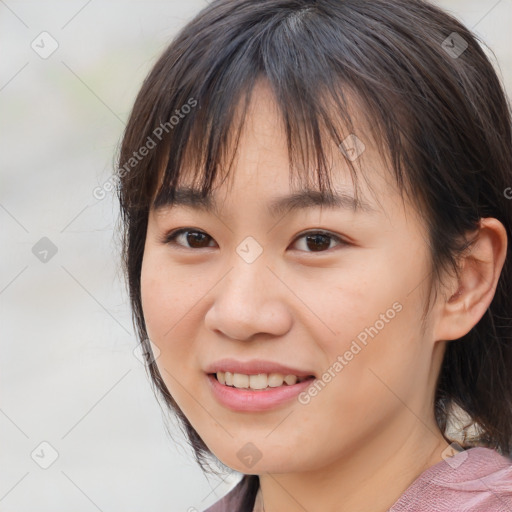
{"x":188,"y":238}
{"x":181,"y":237}
{"x":319,"y":241}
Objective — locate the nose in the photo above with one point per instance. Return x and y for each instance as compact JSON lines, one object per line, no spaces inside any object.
{"x":249,"y":300}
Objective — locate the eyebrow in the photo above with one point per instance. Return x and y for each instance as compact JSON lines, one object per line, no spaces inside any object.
{"x":306,"y":198}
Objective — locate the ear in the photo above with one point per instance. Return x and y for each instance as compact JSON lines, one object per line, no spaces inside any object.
{"x":469,"y":297}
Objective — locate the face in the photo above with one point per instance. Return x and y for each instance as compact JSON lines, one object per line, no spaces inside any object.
{"x":324,"y":291}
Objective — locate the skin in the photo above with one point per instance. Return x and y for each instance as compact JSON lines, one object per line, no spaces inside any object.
{"x":370,"y":432}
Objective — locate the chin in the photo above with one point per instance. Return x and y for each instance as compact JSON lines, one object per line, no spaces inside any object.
{"x":260,"y":464}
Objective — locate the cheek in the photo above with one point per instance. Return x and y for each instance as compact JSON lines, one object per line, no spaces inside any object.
{"x":167,"y":304}
{"x":166,"y":294}
{"x":355,"y":303}
{"x":364,"y":386}
{"x":173,"y":305}
{"x":162,"y":308}
{"x":376,"y":350}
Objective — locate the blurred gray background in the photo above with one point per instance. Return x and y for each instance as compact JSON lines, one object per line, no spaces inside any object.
{"x":80,"y":428}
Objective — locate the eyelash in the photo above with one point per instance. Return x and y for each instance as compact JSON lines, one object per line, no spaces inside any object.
{"x":170,"y":238}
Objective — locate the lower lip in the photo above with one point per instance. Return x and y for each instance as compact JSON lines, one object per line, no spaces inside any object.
{"x":252,"y":400}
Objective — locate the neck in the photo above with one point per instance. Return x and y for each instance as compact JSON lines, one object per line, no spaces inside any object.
{"x":368,"y":478}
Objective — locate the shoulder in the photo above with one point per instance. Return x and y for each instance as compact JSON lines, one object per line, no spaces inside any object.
{"x":473,"y":480}
{"x":239,"y":499}
{"x":228,"y":502}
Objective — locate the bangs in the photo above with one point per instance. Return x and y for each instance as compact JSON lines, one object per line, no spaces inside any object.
{"x":314,"y":133}
{"x":321,"y":98}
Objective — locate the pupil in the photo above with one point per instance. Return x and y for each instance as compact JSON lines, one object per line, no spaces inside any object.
{"x":193,"y":236}
{"x":318,"y":238}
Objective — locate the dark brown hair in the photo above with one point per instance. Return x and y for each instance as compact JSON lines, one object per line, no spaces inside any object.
{"x":439,"y":114}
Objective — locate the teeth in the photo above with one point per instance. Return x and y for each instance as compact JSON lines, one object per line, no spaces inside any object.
{"x":240,"y":381}
{"x":255,"y":381}
{"x":290,"y":380}
{"x":260,"y":381}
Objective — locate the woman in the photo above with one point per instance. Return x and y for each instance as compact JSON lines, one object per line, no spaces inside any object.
{"x":319,"y":332}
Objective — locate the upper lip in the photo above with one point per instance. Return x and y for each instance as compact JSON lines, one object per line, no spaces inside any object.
{"x":253,"y":367}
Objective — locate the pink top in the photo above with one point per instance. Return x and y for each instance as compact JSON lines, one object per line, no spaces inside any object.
{"x":474,"y":480}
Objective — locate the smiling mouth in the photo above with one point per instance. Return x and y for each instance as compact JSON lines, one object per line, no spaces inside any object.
{"x":259,"y":382}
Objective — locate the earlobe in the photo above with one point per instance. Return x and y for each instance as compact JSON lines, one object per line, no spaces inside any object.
{"x":480,"y":270}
